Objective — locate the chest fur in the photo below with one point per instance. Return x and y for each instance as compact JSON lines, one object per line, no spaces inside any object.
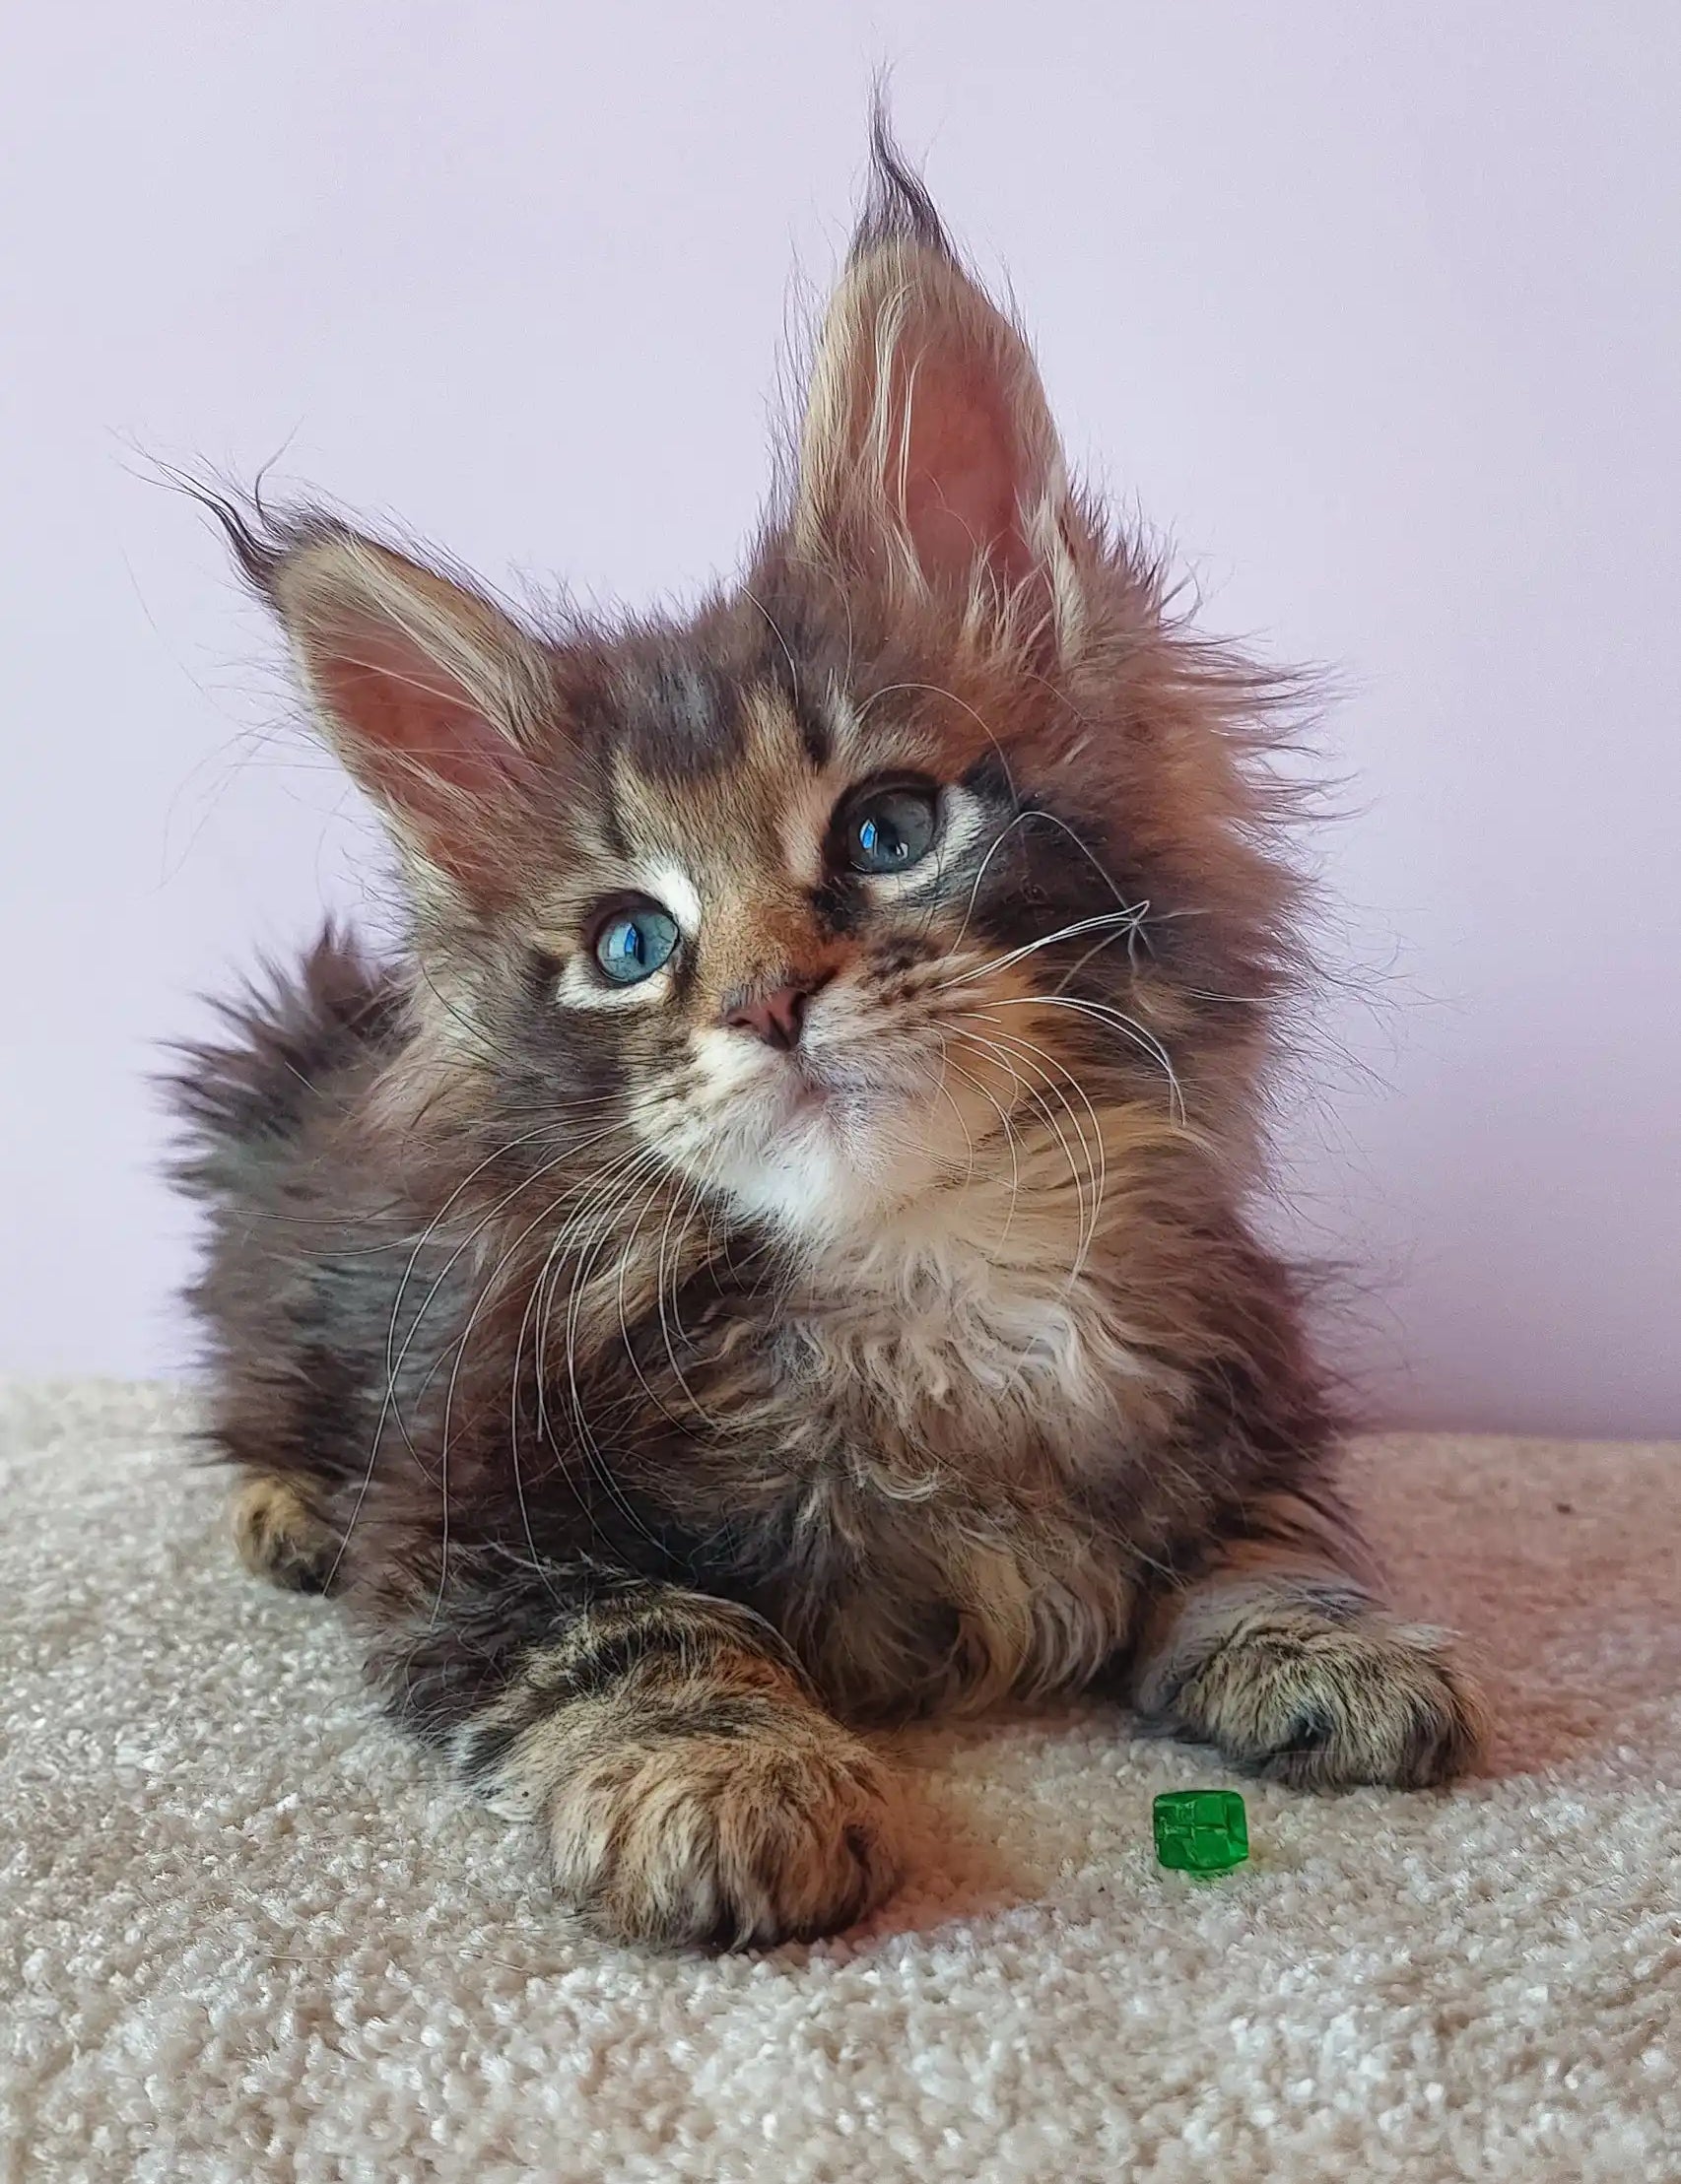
{"x":949,"y":1469}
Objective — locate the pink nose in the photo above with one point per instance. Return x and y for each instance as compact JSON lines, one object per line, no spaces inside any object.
{"x":778,"y":1016}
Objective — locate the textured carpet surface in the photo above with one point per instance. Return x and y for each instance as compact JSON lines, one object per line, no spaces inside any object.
{"x":245,"y":1933}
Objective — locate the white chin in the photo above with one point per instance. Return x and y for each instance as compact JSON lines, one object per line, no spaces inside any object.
{"x":817,"y":1168}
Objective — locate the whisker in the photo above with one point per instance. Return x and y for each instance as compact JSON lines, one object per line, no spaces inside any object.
{"x":389,"y":1407}
{"x":1088,"y":1221}
{"x":575,"y":1304}
{"x":1103,"y":1013}
{"x":1097,"y":947}
{"x":942,"y":1090}
{"x":1009,"y":1140}
{"x":690,"y":1204}
{"x":646,"y":1385}
{"x":680,"y":1200}
{"x":392,"y":1368}
{"x":533,"y":1304}
{"x":601,"y":1194}
{"x":487,"y":1290}
{"x":1098,"y":1173}
{"x":1021,"y":819}
{"x":938,"y":689}
{"x":1053,"y":819}
{"x":1105,"y":920}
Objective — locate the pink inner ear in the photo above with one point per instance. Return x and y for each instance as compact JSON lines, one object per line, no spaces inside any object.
{"x":417,"y":739}
{"x":963,"y":475}
{"x":416,"y":728}
{"x":403,"y":711}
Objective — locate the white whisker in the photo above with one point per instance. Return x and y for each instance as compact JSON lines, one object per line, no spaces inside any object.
{"x":1009,"y":1140}
{"x":1112,"y":921}
{"x":1128,"y":1027}
{"x":1097,"y":1170}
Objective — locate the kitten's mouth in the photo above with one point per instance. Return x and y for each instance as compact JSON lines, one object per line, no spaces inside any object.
{"x":835,"y":1100}
{"x":848,"y":1090}
{"x":804,"y":1091}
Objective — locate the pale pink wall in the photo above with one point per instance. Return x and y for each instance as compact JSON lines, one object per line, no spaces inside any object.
{"x":1375,"y":307}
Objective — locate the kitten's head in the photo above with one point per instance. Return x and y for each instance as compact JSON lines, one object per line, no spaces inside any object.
{"x":927,"y":850}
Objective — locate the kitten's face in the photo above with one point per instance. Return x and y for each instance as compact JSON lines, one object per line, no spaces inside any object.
{"x":789,"y":948}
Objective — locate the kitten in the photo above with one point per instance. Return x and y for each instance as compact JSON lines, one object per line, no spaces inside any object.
{"x":772,"y":1257}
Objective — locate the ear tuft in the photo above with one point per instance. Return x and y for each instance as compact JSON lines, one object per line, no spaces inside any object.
{"x":897,"y":208}
{"x":928,"y":458}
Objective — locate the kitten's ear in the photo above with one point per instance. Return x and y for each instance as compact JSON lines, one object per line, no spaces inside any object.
{"x":428,"y":692}
{"x":929,"y":455}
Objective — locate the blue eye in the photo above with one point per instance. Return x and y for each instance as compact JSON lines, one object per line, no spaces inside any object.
{"x":889,"y":830}
{"x":632,"y":945}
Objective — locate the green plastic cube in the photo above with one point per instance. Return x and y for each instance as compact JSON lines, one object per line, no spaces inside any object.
{"x":1200,"y":1831}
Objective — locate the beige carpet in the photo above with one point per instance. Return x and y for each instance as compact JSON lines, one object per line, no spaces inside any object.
{"x":243,"y":1934}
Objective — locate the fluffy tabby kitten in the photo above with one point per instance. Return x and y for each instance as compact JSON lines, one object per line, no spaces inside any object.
{"x":772,"y":1256}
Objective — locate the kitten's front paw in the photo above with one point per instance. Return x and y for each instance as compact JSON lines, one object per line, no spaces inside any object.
{"x":1323,"y":1703}
{"x":279,"y":1535}
{"x":784,"y":1832}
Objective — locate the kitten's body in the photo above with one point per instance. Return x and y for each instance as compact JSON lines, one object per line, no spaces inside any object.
{"x":854,"y":1315}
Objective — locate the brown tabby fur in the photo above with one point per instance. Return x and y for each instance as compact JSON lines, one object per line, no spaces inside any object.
{"x":666,"y":1397}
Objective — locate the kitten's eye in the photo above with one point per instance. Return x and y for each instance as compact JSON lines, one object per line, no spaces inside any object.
{"x":634,"y":943}
{"x":889,"y":830}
